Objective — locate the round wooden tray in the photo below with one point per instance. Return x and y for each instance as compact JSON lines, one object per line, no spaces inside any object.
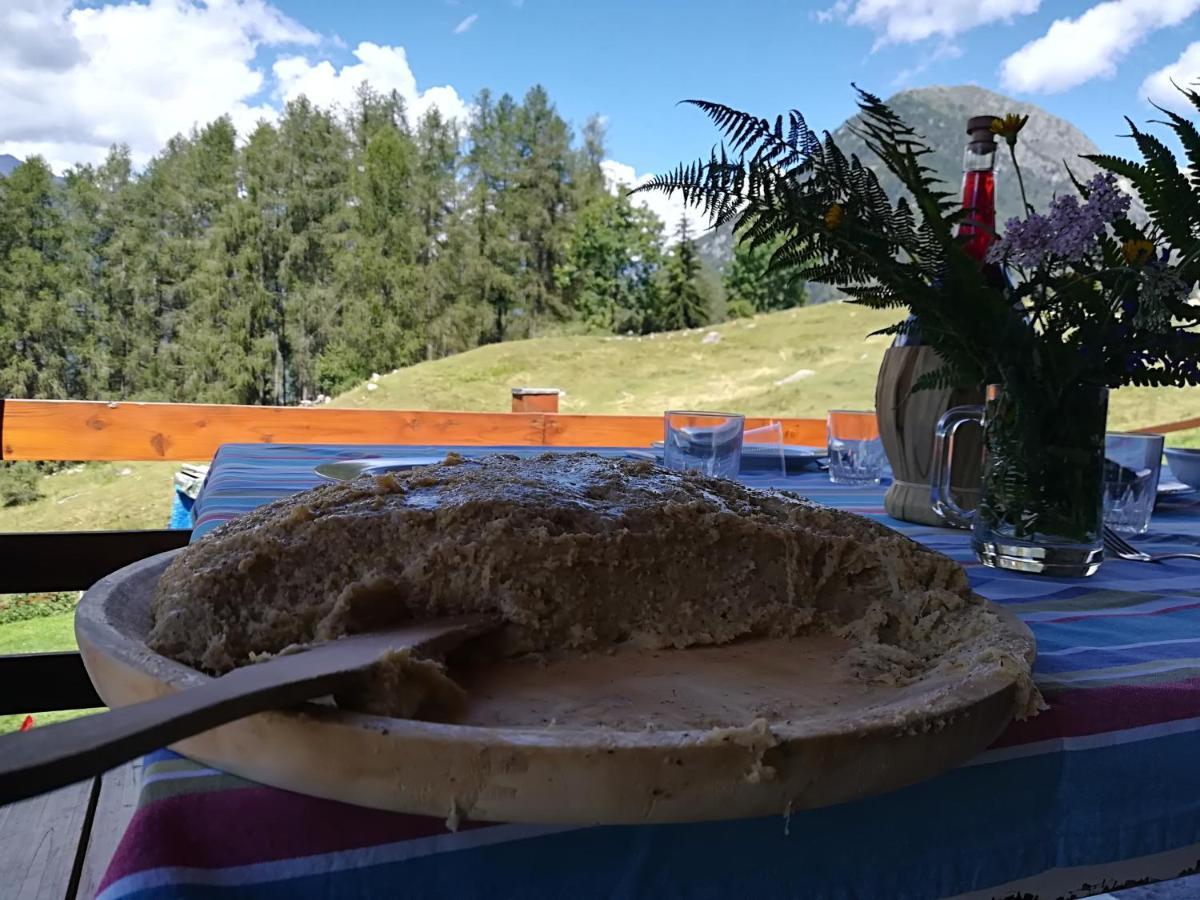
{"x":628,"y":737}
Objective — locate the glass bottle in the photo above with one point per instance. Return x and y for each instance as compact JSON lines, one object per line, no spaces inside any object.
{"x":978,"y":231}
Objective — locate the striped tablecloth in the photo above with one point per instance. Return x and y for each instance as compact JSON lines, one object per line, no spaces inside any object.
{"x":1102,"y":790}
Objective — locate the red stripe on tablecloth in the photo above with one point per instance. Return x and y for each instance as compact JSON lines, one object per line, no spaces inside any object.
{"x":223,"y":828}
{"x":1083,"y":711}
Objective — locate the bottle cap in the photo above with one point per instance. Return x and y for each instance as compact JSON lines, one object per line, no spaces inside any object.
{"x":980,"y":130}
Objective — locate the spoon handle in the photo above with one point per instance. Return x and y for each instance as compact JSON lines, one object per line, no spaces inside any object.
{"x":52,"y":756}
{"x":42,"y":759}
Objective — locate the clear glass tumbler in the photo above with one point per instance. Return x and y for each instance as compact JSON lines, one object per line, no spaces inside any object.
{"x":707,"y":442}
{"x":856,"y":454}
{"x":1132,"y":463}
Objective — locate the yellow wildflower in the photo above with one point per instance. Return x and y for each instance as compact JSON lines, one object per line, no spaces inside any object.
{"x":833,"y":217}
{"x":1137,"y":252}
{"x":1009,"y":127}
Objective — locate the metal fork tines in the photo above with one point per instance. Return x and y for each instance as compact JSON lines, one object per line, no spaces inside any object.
{"x":1121,"y":548}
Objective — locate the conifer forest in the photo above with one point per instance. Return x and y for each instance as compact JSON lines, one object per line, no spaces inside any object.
{"x":293,"y":262}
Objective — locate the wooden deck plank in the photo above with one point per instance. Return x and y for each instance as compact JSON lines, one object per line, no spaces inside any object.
{"x":114,"y":808}
{"x":39,"y":839}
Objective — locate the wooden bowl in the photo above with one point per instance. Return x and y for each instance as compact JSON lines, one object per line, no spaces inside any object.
{"x":629,"y":737}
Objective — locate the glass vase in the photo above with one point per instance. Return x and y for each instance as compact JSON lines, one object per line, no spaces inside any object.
{"x":1042,"y":503}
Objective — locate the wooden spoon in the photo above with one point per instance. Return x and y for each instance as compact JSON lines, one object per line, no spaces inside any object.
{"x":42,"y":759}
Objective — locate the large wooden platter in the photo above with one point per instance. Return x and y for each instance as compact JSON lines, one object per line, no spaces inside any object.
{"x":632,"y":736}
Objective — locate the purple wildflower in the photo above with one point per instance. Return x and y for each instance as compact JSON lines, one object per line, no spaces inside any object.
{"x":1068,"y":231}
{"x":1109,"y":202}
{"x":1024,"y":241}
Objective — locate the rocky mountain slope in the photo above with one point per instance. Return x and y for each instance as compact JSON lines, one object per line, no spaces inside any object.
{"x":940,"y":114}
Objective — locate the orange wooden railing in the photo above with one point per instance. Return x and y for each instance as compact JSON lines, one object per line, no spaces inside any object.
{"x":91,"y":430}
{"x":1183,"y":425}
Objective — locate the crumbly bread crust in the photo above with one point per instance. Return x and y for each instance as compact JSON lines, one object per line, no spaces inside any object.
{"x":575,"y":551}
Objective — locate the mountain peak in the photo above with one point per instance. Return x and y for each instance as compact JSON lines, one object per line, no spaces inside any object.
{"x":8,"y":163}
{"x":1048,"y":144}
{"x":940,"y":114}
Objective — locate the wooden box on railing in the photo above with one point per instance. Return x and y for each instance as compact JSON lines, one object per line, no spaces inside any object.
{"x":535,"y":400}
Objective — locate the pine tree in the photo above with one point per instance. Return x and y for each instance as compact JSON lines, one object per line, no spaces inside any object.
{"x":381,"y":278}
{"x":608,"y":274}
{"x":86,"y":252}
{"x":683,"y":304}
{"x":203,"y":352}
{"x":588,"y":174}
{"x":39,"y":327}
{"x":752,"y":286}
{"x":494,"y":259}
{"x":440,"y":234}
{"x":540,"y":205}
{"x":183,"y":194}
{"x":314,"y":154}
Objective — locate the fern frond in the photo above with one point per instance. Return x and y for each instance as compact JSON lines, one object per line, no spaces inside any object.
{"x":742,"y":131}
{"x":1189,"y":138}
{"x":1170,"y":199}
{"x":942,"y":378}
{"x":1118,"y":166}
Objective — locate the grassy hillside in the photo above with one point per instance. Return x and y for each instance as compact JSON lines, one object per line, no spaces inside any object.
{"x":797,"y":363}
{"x":794,"y":363}
{"x":97,"y":497}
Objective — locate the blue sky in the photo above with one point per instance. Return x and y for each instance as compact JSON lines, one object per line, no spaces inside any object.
{"x":79,"y":75}
{"x":631,"y":61}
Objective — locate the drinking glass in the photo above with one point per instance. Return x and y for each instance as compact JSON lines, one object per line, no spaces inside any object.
{"x":1041,"y":508}
{"x":856,"y":454}
{"x":707,"y":442}
{"x":1132,"y":463}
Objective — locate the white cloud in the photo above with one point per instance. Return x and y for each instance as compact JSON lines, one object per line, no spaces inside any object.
{"x":619,"y":176}
{"x":1184,"y":72}
{"x":944,"y":51}
{"x":906,"y":21}
{"x":33,"y":34}
{"x":74,"y":81}
{"x":386,"y":68}
{"x":465,"y":25}
{"x":1074,"y":51}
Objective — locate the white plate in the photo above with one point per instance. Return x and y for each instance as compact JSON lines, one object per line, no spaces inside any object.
{"x":1172,"y":488}
{"x":349,"y":469}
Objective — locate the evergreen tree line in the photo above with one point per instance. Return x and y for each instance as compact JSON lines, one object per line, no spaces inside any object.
{"x":330,"y":245}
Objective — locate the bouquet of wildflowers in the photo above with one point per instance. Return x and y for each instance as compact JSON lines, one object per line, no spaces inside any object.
{"x":1096,"y":297}
{"x":1109,"y":299}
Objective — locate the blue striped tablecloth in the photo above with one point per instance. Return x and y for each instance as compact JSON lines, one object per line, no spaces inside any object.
{"x":1101,"y":790}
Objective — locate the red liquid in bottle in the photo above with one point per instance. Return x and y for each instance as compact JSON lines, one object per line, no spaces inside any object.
{"x":978,"y":229}
{"x":979,"y":200}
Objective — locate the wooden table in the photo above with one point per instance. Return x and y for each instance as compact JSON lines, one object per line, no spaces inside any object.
{"x":59,"y":844}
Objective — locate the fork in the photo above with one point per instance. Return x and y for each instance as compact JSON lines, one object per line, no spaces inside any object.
{"x":1121,"y":548}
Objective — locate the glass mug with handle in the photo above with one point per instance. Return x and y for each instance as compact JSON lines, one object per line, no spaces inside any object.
{"x":1041,"y":508}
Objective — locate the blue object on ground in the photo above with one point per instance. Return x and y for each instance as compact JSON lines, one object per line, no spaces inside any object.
{"x":187,"y":481}
{"x":181,"y":510}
